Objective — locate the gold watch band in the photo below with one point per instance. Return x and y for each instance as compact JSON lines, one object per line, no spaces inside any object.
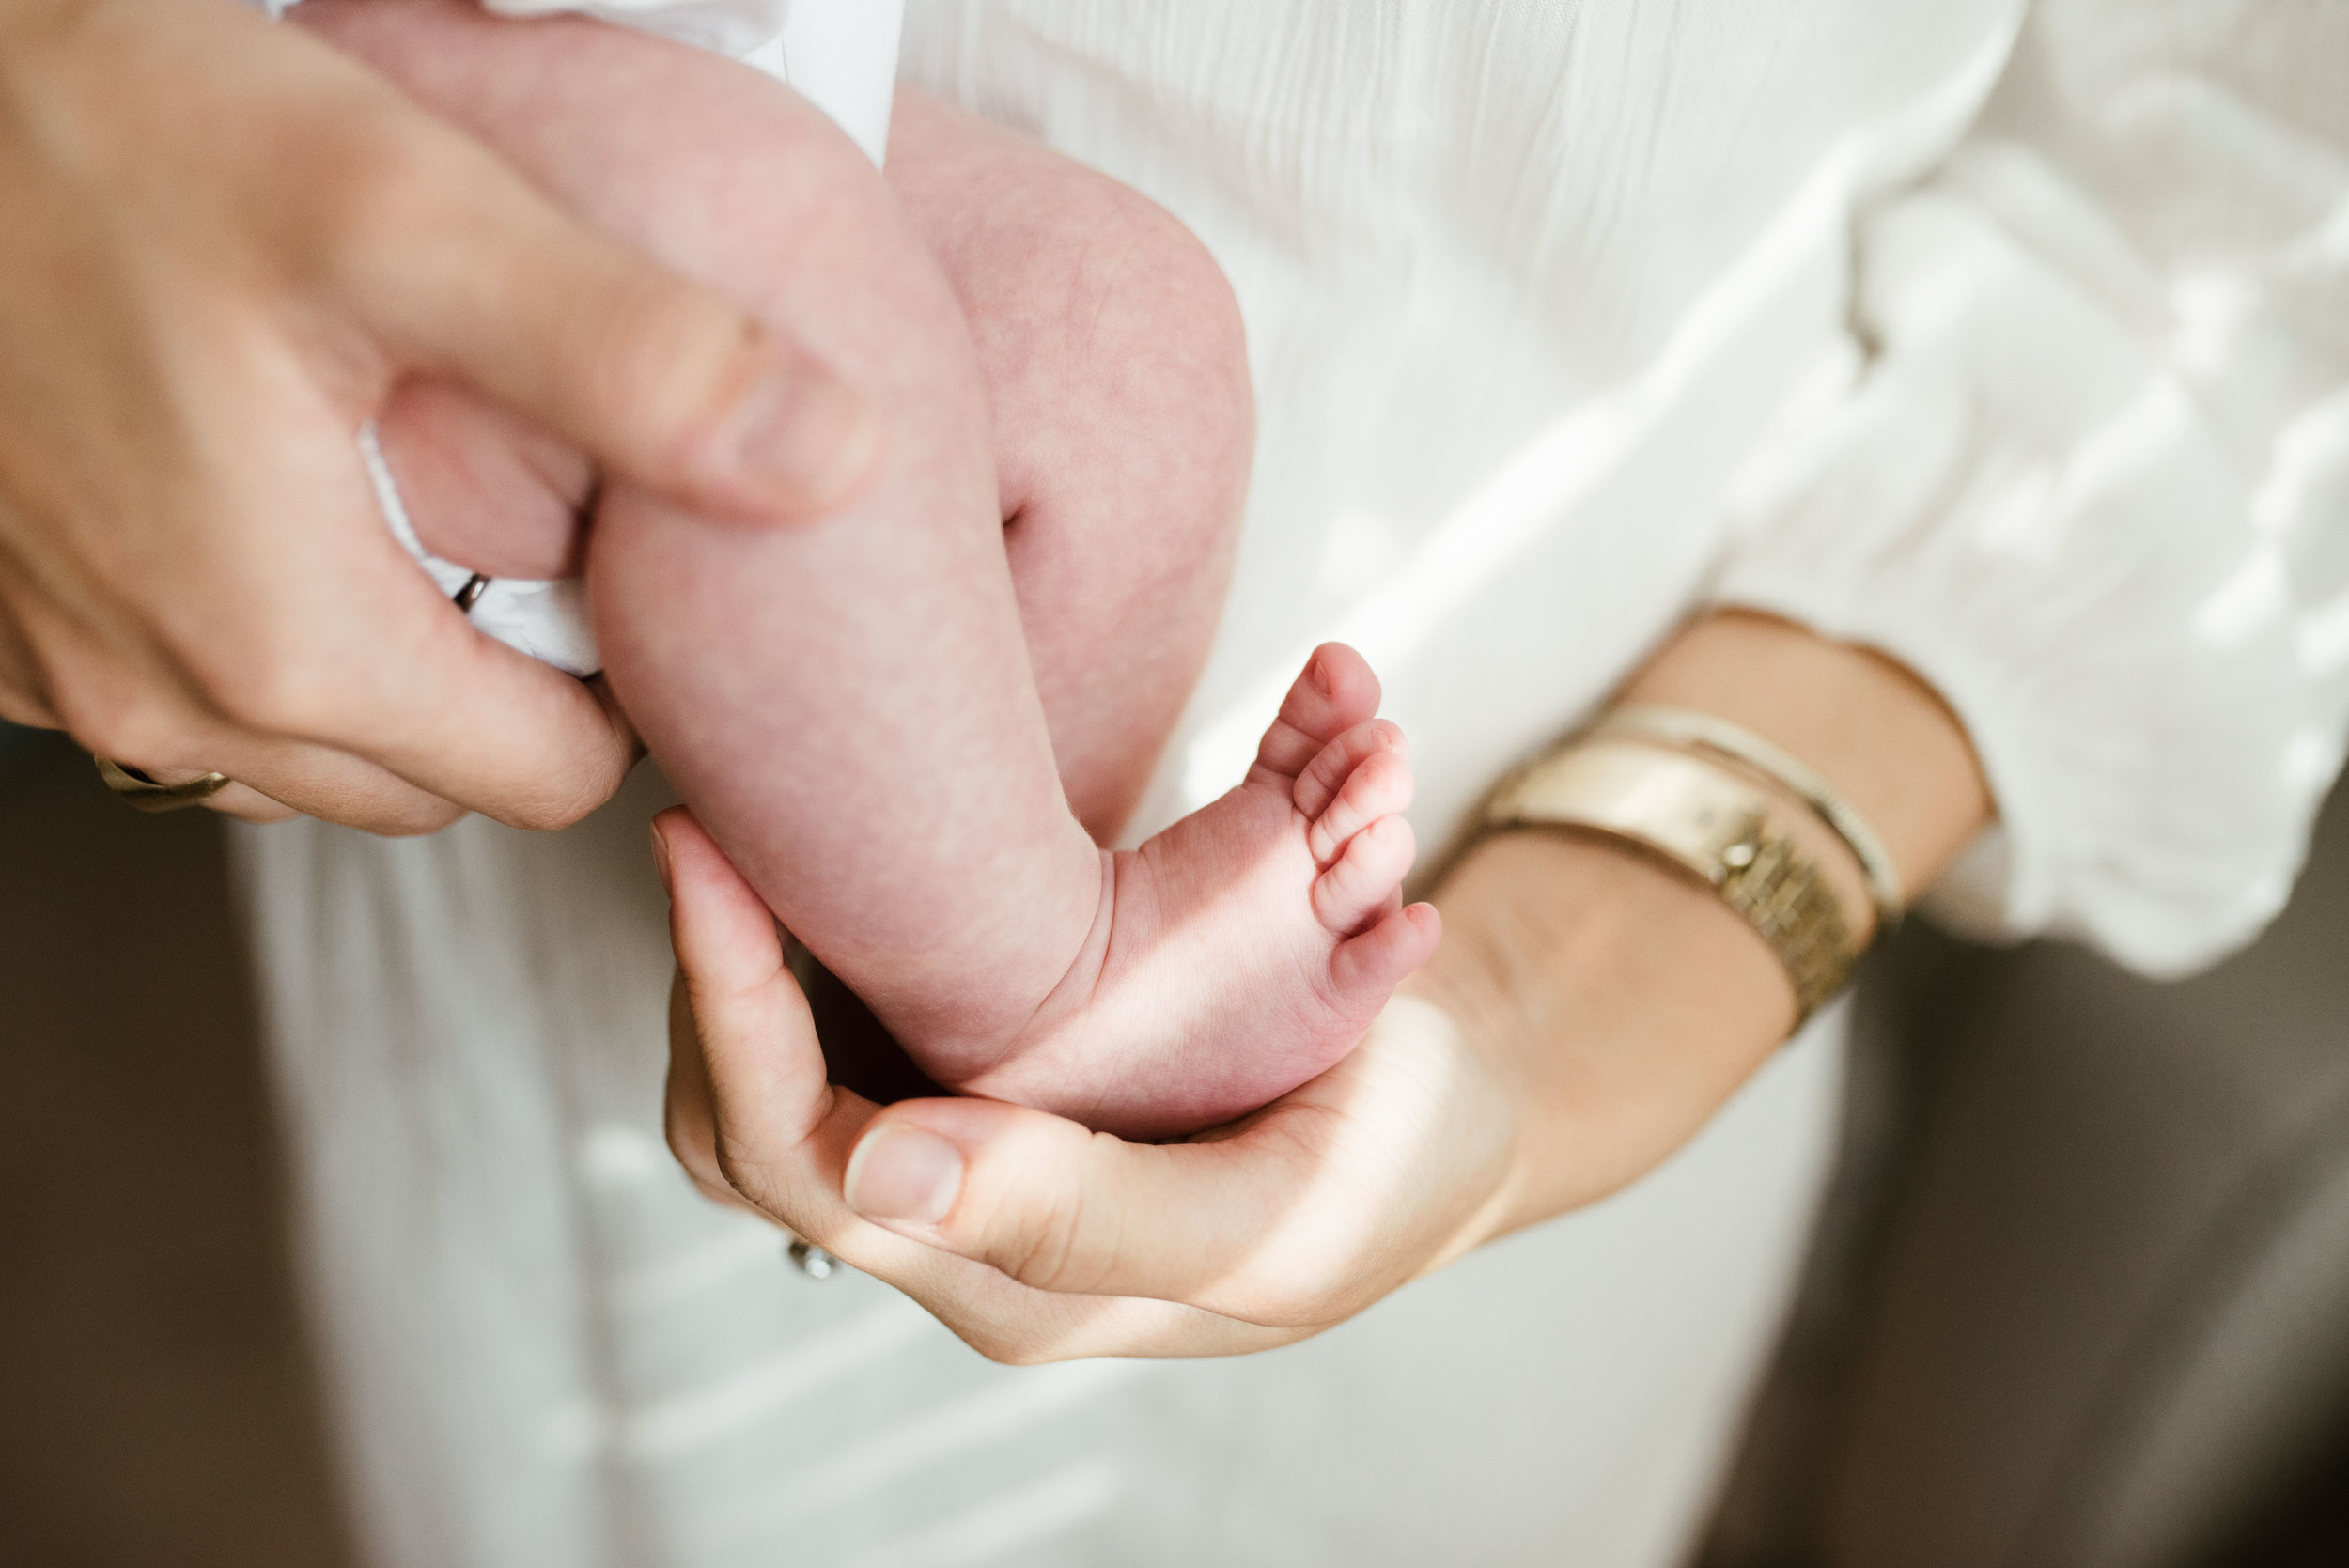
{"x":1704,"y":819}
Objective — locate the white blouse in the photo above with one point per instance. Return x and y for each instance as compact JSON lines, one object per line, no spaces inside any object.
{"x":2009,"y":340}
{"x":2013,"y":339}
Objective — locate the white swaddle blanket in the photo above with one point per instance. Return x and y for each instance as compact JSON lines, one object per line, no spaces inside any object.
{"x":842,"y":56}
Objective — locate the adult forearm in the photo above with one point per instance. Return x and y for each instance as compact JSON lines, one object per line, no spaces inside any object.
{"x":1627,"y":1002}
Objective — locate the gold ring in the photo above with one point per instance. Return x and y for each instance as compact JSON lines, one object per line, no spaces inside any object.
{"x":140,"y":793}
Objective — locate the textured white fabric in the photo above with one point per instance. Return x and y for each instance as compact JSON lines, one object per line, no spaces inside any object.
{"x":547,"y":620}
{"x":840,"y":54}
{"x":2008,"y":337}
{"x":546,"y":1351}
{"x":2093,"y":478}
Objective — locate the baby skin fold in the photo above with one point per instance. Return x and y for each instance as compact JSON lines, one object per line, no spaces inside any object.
{"x":901,"y":719}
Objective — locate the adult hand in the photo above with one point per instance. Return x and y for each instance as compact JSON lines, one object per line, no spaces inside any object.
{"x":1265,"y":1231}
{"x":225,"y":242}
{"x":1587,"y":1012}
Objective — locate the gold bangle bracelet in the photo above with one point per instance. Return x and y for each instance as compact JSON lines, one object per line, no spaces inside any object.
{"x":1708,"y":821}
{"x":1686,"y":729}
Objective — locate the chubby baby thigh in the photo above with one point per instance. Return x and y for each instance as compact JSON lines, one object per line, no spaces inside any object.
{"x":1123,"y":425}
{"x":704,"y":163}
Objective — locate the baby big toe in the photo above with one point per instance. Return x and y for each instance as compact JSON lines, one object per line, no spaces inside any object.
{"x":1358,"y":778}
{"x":1336,"y":692}
{"x":1366,"y":882}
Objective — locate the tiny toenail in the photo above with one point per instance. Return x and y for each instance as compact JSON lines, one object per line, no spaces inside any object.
{"x":1319,"y":674}
{"x":903,"y":1173}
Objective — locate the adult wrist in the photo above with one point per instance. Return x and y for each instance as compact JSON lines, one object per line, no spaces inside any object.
{"x":1623,"y":1003}
{"x":1771,"y":840}
{"x":1872,"y":727}
{"x":1615,"y":1002}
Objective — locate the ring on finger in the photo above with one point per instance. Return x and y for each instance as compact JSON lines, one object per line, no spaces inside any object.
{"x":811,"y":1260}
{"x":141,"y":793}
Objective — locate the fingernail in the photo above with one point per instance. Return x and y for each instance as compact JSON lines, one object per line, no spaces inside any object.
{"x":805,"y":439}
{"x":900,"y":1173}
{"x":660,"y":858}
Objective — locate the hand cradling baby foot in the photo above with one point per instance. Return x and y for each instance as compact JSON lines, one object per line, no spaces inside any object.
{"x":1248,"y":947}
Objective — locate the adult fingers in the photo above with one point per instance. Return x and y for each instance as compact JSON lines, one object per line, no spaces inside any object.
{"x":743,"y":1006}
{"x":275,"y":780}
{"x":465,"y":718}
{"x":244,"y":716}
{"x":689,"y":1109}
{"x":317,"y":663}
{"x":233,"y":799}
{"x":1294,"y":1217}
{"x":140,"y":714}
{"x":1225,"y":1226}
{"x":22,"y":701}
{"x":749,"y":1111}
{"x":664,"y":381}
{"x":401,"y":684}
{"x":19,"y":706}
{"x":247,"y":804}
{"x":752,"y":1120}
{"x":239,"y":713}
{"x":1007,"y":1321}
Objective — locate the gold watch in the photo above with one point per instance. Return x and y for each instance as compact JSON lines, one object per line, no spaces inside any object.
{"x":1708,"y":822}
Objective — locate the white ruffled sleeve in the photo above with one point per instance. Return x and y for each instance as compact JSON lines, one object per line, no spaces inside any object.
{"x":2092,"y":482}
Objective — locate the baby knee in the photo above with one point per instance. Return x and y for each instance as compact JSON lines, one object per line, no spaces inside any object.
{"x":1115,"y":361}
{"x":1162,"y":325}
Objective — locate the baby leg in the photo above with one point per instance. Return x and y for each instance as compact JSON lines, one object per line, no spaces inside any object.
{"x":848,"y":703}
{"x":1121,"y":416}
{"x":1248,"y":946}
{"x":1122,"y":419}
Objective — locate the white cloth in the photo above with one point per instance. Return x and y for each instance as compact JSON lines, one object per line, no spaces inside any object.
{"x":2010,"y":337}
{"x":839,"y":55}
{"x":547,"y":620}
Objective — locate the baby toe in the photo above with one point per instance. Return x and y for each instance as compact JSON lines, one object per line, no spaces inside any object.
{"x":1370,"y":966}
{"x":1367,"y":879}
{"x":1318,"y":785}
{"x":1378,"y":785}
{"x":1336,"y":692}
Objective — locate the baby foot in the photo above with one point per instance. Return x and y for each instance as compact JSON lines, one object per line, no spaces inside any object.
{"x":1246,"y":948}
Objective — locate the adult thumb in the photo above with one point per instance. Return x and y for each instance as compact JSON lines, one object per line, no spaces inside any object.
{"x":665,"y":382}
